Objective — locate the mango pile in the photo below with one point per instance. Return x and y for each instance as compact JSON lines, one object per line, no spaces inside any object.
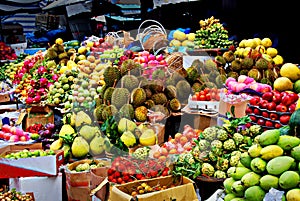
{"x":273,"y":161}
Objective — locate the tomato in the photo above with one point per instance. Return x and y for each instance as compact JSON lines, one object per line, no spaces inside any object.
{"x":194,"y":98}
{"x":208,"y":97}
{"x":206,"y":90}
{"x":202,"y":93}
{"x":110,"y":171}
{"x":117,"y":174}
{"x":202,"y":98}
{"x":138,"y":176}
{"x":119,"y":180}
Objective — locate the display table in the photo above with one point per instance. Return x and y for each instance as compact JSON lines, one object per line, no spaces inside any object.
{"x":159,"y":3}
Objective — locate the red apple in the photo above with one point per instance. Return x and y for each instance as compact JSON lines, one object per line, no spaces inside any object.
{"x":253,"y":118}
{"x":261,"y":121}
{"x":256,"y":111}
{"x":292,"y":107}
{"x":287,"y":99}
{"x":271,"y":106}
{"x":263,"y":104}
{"x":14,"y":138}
{"x":267,"y":96}
{"x":283,"y":93}
{"x":6,"y":128}
{"x":249,"y":110}
{"x":265,"y":114}
{"x":248,"y":125}
{"x":269,"y":123}
{"x":273,"y":116}
{"x":294,"y":96}
{"x":284,"y":119}
{"x":7,"y":136}
{"x":281,"y":108}
{"x":276,"y":97}
{"x":277,"y":125}
{"x":2,"y":134}
{"x":254,"y":100}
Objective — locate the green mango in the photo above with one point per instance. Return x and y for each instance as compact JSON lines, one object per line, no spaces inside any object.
{"x":287,"y":142}
{"x":295,"y":153}
{"x":289,"y":179}
{"x":258,"y":165}
{"x":250,"y":179}
{"x":280,"y":164}
{"x":245,"y":159}
{"x":227,"y":183}
{"x":239,"y":172}
{"x":267,"y":182}
{"x":254,"y":193}
{"x":229,"y":197}
{"x":269,"y":137}
{"x":238,"y":188}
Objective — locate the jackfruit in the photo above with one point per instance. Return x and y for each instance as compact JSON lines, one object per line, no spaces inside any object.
{"x":82,"y":118}
{"x":80,"y":147}
{"x":66,"y":129}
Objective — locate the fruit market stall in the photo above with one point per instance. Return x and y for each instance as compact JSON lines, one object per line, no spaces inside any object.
{"x":110,"y":121}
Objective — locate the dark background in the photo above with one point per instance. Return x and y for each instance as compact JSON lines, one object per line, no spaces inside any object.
{"x":277,"y":20}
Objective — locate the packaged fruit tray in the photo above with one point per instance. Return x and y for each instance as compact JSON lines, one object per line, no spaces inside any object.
{"x":204,"y":105}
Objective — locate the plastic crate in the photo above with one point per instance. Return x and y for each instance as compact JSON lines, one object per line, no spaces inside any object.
{"x":32,"y":51}
{"x":205,"y":105}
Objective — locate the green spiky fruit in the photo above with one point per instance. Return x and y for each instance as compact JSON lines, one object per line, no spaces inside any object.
{"x":130,"y":82}
{"x":247,"y":63}
{"x":138,"y":97}
{"x":107,"y":95}
{"x":159,"y":98}
{"x":170,"y":92}
{"x":236,"y":65}
{"x":127,"y":111}
{"x":120,"y":96}
{"x":140,"y":113}
{"x":175,"y":104}
{"x":111,"y":75}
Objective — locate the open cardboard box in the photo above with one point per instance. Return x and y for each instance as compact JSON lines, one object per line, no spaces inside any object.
{"x":26,"y":167}
{"x":183,"y":191}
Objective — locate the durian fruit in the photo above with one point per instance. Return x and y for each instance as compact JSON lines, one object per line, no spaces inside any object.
{"x":210,"y":85}
{"x":269,"y":74}
{"x":119,"y":97}
{"x":229,"y":56}
{"x":174,"y":105}
{"x":170,"y":92}
{"x":159,"y":98}
{"x":213,"y":75}
{"x":140,"y":113}
{"x":244,"y":72}
{"x":255,"y":74}
{"x":130,"y":65}
{"x":158,"y":74}
{"x":247,"y":63}
{"x":148,"y":93}
{"x":198,"y":64}
{"x":108,"y":111}
{"x":196,"y":87}
{"x":220,"y":80}
{"x":98,"y":112}
{"x":233,"y":74}
{"x":156,"y":86}
{"x":51,"y":54}
{"x":183,"y":89}
{"x":192,"y":74}
{"x":127,"y":111}
{"x":129,"y":81}
{"x":107,"y":95}
{"x":220,"y":60}
{"x":138,"y":97}
{"x":149,"y":103}
{"x":262,"y":64}
{"x":236,"y":65}
{"x":111,"y":75}
{"x":210,"y":65}
{"x":161,"y":108}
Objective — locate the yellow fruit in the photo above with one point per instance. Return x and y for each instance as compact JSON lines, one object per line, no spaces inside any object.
{"x":278,"y":60}
{"x":66,"y":129}
{"x":283,"y":84}
{"x":242,"y":43}
{"x":81,"y":57}
{"x":63,"y":69}
{"x":290,"y":71}
{"x":261,"y":49}
{"x":148,"y":137}
{"x":267,"y":42}
{"x":59,"y":41}
{"x":80,"y":147}
{"x":267,"y":57}
{"x":250,"y":43}
{"x":272,"y":51}
{"x":89,"y":44}
{"x":179,"y":35}
{"x":82,"y":50}
{"x":257,"y":40}
{"x":175,"y":43}
{"x":57,"y":144}
{"x":191,"y":36}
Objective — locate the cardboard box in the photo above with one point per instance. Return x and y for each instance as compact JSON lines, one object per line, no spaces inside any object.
{"x":43,"y":188}
{"x":5,"y":97}
{"x":185,"y":190}
{"x":26,"y":167}
{"x":239,"y":108}
{"x":80,"y":184}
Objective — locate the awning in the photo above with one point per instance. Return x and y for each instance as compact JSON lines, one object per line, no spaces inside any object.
{"x":60,"y":3}
{"x":76,"y":9}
